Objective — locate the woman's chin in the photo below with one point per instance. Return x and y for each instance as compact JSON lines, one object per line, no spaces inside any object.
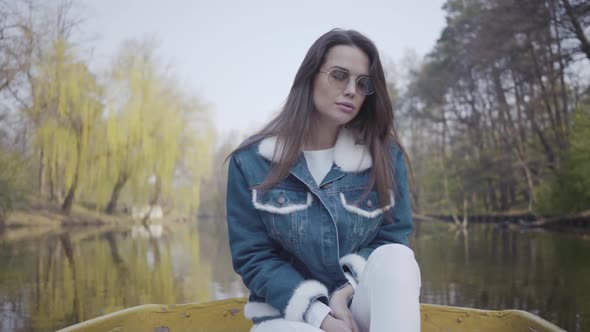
{"x":343,"y":118}
{"x":334,"y":118}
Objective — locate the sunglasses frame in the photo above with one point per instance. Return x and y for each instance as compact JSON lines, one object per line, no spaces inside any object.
{"x":330,"y":78}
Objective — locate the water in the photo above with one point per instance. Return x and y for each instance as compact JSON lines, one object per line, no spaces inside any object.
{"x":51,"y":281}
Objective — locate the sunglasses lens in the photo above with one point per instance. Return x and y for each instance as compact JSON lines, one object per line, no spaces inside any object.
{"x":365,"y":86}
{"x":339,"y":77}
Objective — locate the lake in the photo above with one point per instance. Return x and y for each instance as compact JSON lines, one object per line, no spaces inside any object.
{"x":55,"y":279}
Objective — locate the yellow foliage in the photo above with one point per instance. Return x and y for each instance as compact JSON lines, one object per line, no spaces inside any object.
{"x":139,"y":129}
{"x":66,"y":105}
{"x":150,"y":132}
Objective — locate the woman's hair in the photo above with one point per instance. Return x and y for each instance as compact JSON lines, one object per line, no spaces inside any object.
{"x":374,"y":121}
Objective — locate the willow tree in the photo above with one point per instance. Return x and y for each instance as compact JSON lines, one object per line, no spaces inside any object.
{"x":67,"y":102}
{"x":215,"y":186}
{"x":133,"y":92}
{"x":195,"y":159}
{"x":151,"y":139}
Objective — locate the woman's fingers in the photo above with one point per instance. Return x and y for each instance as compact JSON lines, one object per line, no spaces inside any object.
{"x":332,"y":324}
{"x":349,"y":320}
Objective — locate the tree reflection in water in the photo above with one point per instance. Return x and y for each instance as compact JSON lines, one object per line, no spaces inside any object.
{"x":493,"y":268}
{"x":53,"y":281}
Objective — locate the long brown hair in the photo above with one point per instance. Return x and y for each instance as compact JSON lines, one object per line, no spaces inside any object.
{"x":374,"y":121}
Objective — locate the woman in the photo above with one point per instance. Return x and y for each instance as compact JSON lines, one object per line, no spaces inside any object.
{"x":318,"y":207}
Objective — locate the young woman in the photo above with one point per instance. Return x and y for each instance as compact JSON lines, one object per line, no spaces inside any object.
{"x":318,"y":208}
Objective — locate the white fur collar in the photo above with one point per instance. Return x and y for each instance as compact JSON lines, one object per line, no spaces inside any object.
{"x":348,"y":155}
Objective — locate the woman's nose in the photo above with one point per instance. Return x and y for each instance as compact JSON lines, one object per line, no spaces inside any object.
{"x":350,"y":89}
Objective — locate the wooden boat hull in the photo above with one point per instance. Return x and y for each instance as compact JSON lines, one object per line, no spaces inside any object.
{"x":227,"y":316}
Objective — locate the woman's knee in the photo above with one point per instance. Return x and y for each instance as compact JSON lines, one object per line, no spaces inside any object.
{"x":392,"y":253}
{"x":394,"y":263}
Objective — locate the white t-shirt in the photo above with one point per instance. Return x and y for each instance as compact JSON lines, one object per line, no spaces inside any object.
{"x":319,"y":163}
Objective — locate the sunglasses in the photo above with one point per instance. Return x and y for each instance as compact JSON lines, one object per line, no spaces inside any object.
{"x":339,"y":79}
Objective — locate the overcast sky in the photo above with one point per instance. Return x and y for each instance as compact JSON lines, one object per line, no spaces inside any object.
{"x":240,"y":57}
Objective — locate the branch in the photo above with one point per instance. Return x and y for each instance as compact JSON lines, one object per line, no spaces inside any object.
{"x":544,"y":222}
{"x":579,"y":31}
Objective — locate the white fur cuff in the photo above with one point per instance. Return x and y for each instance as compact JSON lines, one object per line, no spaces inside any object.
{"x":302,"y":298}
{"x":355,"y":263}
{"x":260,"y":309}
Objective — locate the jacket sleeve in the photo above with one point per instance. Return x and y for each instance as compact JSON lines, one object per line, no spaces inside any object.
{"x":255,"y":258}
{"x":396,"y":232}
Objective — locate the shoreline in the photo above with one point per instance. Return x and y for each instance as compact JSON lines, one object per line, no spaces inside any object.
{"x":48,"y":215}
{"x":41,"y":214}
{"x":579,"y":221}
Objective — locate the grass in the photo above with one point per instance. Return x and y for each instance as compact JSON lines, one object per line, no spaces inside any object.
{"x":42,"y":213}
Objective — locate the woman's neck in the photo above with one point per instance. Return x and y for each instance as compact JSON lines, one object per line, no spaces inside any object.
{"x":321,"y":138}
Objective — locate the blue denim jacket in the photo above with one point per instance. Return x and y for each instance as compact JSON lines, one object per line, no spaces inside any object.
{"x":300,"y":241}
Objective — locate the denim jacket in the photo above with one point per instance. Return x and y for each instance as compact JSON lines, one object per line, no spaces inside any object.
{"x":300,"y":241}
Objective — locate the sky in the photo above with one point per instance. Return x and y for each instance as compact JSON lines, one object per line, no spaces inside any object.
{"x":240,"y":57}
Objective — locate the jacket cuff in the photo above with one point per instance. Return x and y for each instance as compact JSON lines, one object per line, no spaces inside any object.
{"x":317,"y":313}
{"x":256,"y":311}
{"x":302,"y":298}
{"x":355,"y":264}
{"x":351,"y":280}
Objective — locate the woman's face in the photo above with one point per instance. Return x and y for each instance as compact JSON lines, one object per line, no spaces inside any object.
{"x":337,"y":104}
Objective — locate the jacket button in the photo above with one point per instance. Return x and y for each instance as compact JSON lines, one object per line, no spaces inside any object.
{"x":370,"y":203}
{"x":326,"y":186}
{"x":281,"y":200}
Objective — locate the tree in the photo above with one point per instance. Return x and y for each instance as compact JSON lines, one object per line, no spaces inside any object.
{"x":158,"y":136}
{"x":569,"y":190}
{"x":68,"y":104}
{"x":14,"y":186}
{"x":495,"y":97}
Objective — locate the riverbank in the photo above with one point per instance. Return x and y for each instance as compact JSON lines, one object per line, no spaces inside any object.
{"x":580,"y":220}
{"x":47,"y":215}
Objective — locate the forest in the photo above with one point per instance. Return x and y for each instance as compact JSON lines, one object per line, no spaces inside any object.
{"x":107,"y":139}
{"x":497,"y":116}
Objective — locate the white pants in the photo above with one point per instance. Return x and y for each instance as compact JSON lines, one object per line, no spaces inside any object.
{"x":386,"y":298}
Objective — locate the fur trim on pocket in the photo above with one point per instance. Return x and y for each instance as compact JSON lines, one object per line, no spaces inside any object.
{"x":280,"y":210}
{"x":367,"y":214}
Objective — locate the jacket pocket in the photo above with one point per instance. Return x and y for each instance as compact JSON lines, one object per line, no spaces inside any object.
{"x":364,"y":212}
{"x":284,"y":212}
{"x":281,"y":201}
{"x":367,"y":206}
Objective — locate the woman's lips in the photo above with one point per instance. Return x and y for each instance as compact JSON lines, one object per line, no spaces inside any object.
{"x":346,"y":107}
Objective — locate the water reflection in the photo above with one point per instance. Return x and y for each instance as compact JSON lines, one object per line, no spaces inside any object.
{"x":53,"y":281}
{"x":491,"y":268}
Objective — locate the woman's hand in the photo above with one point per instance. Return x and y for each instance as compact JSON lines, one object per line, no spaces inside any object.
{"x":331,"y":324}
{"x":339,"y":307}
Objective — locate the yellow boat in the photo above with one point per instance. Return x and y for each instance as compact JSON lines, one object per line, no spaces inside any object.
{"x":227,"y":316}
